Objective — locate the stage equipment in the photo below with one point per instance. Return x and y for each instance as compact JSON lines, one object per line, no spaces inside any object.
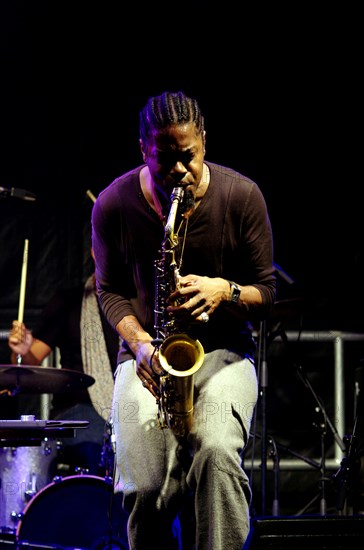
{"x":75,"y":512}
{"x":287,"y":533}
{"x":28,"y":456}
{"x":16,"y":379}
{"x":23,"y":472}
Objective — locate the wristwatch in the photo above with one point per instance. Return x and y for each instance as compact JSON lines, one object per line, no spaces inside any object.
{"x":235,"y":292}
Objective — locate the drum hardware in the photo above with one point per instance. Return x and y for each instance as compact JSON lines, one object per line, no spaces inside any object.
{"x":15,"y":379}
{"x":28,"y":454}
{"x":7,"y":540}
{"x":65,"y":470}
{"x":32,"y":432}
{"x":23,"y":473}
{"x":80,"y":471}
{"x":108,"y":451}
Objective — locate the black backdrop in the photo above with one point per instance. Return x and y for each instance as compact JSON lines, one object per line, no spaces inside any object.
{"x":282,"y":96}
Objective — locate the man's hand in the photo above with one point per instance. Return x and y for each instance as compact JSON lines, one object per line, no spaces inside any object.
{"x":198,"y":297}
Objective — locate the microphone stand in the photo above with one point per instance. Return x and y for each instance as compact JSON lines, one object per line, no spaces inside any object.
{"x":275,"y":457}
{"x":263,"y":401}
{"x":22,"y":194}
{"x":276,"y":446}
{"x":347,"y":475}
{"x":326,"y":422}
{"x":263,"y":385}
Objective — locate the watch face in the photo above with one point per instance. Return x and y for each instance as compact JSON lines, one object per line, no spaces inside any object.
{"x":235,"y":293}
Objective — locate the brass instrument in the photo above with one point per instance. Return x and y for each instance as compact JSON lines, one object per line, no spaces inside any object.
{"x":179,"y":355}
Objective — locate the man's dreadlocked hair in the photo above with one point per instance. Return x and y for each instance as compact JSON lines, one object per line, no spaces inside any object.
{"x":167,"y":109}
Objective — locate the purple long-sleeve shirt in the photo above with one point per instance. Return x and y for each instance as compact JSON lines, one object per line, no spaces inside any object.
{"x":229,"y":235}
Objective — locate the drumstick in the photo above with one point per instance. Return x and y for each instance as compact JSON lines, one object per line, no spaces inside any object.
{"x":91,"y":195}
{"x":22,"y":289}
{"x":23,"y":282}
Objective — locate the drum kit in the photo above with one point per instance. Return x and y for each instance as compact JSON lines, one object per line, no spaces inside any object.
{"x":36,"y":510}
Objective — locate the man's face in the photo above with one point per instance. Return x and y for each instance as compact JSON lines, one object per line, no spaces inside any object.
{"x":175,"y":156}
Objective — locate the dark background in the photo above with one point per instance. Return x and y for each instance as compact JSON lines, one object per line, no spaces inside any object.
{"x":281,"y":91}
{"x":281,"y":94}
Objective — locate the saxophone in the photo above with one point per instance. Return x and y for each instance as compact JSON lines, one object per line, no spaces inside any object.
{"x":179,"y":355}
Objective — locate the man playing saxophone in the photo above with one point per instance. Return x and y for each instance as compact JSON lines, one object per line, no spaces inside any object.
{"x":222,"y":256}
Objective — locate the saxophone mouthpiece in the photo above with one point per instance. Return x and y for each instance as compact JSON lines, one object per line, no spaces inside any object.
{"x":177,"y":194}
{"x":176,"y":198}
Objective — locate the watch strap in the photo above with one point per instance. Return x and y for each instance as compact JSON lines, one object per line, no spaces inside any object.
{"x":235,"y":292}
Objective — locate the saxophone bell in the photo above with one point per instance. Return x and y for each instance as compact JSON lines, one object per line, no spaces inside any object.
{"x":180,"y":357}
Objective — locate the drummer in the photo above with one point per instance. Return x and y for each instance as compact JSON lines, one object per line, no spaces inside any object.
{"x":73,"y":322}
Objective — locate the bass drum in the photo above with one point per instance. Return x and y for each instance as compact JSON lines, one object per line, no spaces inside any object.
{"x":74,"y":512}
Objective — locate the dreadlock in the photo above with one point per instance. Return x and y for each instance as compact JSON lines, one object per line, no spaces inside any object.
{"x":167,"y":109}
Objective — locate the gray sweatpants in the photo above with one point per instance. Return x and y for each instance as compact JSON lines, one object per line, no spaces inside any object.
{"x":159,"y":476}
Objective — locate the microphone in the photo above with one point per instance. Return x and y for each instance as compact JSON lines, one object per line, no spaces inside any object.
{"x":22,"y":194}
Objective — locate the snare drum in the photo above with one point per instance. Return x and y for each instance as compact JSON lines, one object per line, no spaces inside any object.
{"x":74,"y":512}
{"x":23,"y":472}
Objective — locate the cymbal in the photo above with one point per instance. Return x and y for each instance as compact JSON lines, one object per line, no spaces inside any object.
{"x":31,"y":379}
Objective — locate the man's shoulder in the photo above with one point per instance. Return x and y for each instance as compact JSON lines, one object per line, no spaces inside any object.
{"x":230,"y":180}
{"x":120,"y":185}
{"x":131,"y":175}
{"x":225,"y":172}
{"x":119,"y":191}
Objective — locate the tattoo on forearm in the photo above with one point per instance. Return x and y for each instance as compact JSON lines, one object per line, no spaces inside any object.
{"x":130,"y":329}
